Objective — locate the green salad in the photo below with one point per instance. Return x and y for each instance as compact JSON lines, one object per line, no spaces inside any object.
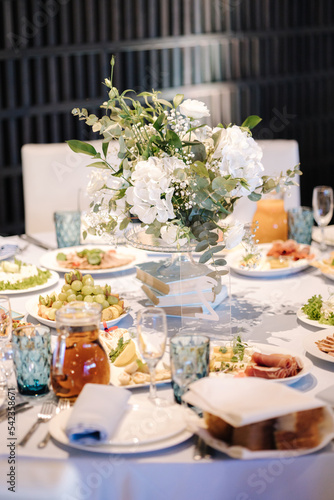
{"x":320,"y":310}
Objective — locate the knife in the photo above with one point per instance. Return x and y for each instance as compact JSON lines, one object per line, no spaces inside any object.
{"x":19,"y":410}
{"x":36,"y":242}
{"x":19,"y":405}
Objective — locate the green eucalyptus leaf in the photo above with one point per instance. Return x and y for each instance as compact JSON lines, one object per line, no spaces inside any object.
{"x":198,"y":149}
{"x":201,"y":246}
{"x":122,"y":147}
{"x":221,"y":262}
{"x":200,"y":169}
{"x":84,"y":234}
{"x":82,"y":147}
{"x":254,"y":197}
{"x":251,"y":121}
{"x":219,"y":184}
{"x":124,"y":224}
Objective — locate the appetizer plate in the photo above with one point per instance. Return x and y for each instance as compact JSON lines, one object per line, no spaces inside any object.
{"x":329,"y":235}
{"x":116,"y":371}
{"x":49,"y":259}
{"x":32,"y":309}
{"x":53,"y":280}
{"x":8,"y":251}
{"x":311,"y":347}
{"x":271,"y":349}
{"x":143,"y":429}
{"x":263,"y":270}
{"x":304,"y":319}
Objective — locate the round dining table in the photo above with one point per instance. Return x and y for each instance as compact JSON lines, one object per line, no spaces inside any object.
{"x":263,"y":310}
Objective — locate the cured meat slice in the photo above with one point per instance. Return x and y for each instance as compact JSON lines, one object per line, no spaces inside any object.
{"x":273,"y":366}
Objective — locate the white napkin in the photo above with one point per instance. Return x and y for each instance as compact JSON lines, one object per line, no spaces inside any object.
{"x":96,"y":413}
{"x":247,"y":400}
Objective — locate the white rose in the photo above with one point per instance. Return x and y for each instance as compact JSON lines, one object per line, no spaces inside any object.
{"x":233,"y":236}
{"x":98,"y":179}
{"x":170,"y":233}
{"x":194,"y":109}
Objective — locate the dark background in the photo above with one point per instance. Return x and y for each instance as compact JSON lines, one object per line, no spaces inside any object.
{"x":273,"y":58}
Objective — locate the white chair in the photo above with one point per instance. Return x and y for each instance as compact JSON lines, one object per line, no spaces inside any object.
{"x":52,"y":177}
{"x":278,"y":155}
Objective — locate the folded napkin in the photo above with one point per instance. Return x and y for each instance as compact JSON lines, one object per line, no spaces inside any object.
{"x":96,"y":413}
{"x":247,"y":400}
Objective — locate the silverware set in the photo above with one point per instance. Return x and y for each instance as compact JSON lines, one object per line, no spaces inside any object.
{"x":45,"y":414}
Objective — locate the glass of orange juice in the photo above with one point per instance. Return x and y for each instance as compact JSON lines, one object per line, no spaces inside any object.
{"x":270,"y":221}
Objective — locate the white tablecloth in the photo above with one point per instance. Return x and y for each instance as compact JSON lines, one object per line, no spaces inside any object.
{"x":262,"y":311}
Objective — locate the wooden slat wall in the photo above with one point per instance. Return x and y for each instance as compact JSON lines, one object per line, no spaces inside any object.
{"x":274,"y":58}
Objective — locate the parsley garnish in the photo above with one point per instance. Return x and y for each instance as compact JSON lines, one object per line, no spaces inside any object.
{"x":114,"y":353}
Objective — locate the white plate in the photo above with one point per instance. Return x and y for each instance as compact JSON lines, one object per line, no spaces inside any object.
{"x":258,"y":272}
{"x":8,"y":251}
{"x":273,"y":349}
{"x":32,"y":309}
{"x":302,"y":317}
{"x":115,"y":371}
{"x":144,"y":428}
{"x":330,"y":276}
{"x":329,"y":235}
{"x":311,"y":347}
{"x":49,"y":259}
{"x":53,"y":280}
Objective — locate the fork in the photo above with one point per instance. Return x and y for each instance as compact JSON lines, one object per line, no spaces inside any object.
{"x":43,"y":416}
{"x":63,"y":404}
{"x":202,"y":450}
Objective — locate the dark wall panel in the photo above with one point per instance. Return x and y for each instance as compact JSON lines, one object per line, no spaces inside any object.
{"x":274,"y":58}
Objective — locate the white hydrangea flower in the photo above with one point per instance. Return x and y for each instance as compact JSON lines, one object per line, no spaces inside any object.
{"x":98,"y":179}
{"x":170,"y":235}
{"x":234,"y":234}
{"x":151,"y":194}
{"x":194,"y":109}
{"x":240,"y":157}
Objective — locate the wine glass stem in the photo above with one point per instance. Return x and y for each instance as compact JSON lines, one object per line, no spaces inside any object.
{"x":153,"y":387}
{"x":323,"y":246}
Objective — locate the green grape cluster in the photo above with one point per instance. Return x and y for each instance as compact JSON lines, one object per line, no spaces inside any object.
{"x":79,"y":288}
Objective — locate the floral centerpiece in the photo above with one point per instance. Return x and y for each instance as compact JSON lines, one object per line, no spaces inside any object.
{"x":179,"y":177}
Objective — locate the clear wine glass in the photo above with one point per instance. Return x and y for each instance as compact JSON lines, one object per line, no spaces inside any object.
{"x":322,"y":203}
{"x":5,"y":320}
{"x":5,"y":337}
{"x":152,"y":337}
{"x":6,"y":363}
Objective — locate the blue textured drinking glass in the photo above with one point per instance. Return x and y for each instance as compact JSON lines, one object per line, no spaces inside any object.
{"x":32,"y":359}
{"x":189,"y":359}
{"x":300,"y":224}
{"x":68,"y":226}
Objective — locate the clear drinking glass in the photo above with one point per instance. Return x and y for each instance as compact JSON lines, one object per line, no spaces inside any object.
{"x":322,"y":203}
{"x":5,"y":320}
{"x":190,"y":360}
{"x":6,"y":363}
{"x":152,"y":336}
